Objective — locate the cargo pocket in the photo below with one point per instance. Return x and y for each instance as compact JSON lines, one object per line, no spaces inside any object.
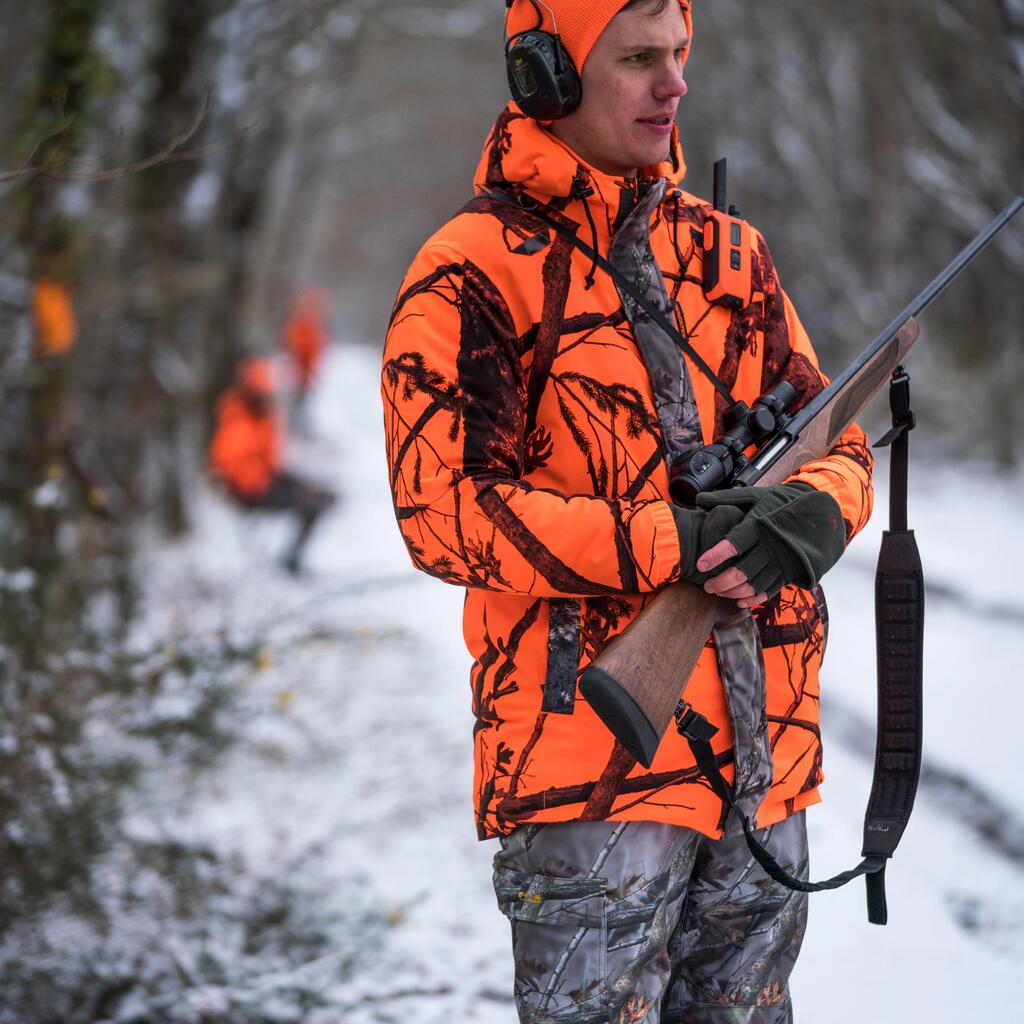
{"x":559,"y":944}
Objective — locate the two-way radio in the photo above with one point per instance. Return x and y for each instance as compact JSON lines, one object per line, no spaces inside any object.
{"x":728,"y":244}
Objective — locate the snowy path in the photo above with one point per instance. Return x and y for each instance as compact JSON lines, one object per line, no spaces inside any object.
{"x":361,"y":755}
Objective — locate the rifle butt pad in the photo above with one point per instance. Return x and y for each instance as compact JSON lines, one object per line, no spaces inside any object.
{"x":620,"y":713}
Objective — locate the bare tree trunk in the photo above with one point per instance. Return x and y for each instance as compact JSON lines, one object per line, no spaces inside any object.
{"x":161,"y":257}
{"x":47,"y":236}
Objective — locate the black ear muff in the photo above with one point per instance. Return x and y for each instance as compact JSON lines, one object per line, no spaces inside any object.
{"x":542,"y":78}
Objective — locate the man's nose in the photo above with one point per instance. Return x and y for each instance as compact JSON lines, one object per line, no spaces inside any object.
{"x":672,"y":84}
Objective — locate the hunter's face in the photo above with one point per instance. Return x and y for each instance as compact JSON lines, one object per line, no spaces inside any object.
{"x":632,"y":84}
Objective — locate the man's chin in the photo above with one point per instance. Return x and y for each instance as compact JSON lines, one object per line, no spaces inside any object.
{"x":648,"y":152}
{"x":649,"y":156}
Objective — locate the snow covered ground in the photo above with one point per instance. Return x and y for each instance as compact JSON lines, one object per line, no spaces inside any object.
{"x":361,"y":760}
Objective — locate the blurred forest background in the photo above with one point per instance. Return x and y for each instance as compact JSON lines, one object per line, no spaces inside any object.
{"x":181,"y":168}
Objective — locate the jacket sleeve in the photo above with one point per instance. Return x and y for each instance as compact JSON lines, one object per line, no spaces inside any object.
{"x":454,"y":395}
{"x":845,"y":472}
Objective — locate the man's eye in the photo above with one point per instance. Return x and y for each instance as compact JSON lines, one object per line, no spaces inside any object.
{"x":638,"y":58}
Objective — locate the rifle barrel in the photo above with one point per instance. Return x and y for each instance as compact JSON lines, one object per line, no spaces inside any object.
{"x":774,"y":449}
{"x":914,"y":309}
{"x":939,"y":285}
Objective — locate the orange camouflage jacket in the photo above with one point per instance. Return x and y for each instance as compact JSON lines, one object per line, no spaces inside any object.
{"x":245,"y":451}
{"x":527,"y":464}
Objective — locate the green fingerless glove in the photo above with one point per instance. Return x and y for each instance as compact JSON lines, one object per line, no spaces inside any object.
{"x":790,"y":533}
{"x":699,"y":531}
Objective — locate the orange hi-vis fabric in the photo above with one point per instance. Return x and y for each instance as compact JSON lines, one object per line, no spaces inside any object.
{"x":246,"y":448}
{"x":527,"y":463}
{"x":579,"y":23}
{"x":255,"y":376}
{"x":306,"y":336}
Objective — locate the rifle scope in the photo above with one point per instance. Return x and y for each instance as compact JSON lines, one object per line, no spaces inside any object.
{"x":712,"y":467}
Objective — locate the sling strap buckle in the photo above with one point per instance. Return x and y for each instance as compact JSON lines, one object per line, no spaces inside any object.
{"x":903,"y":418}
{"x":692,"y":725}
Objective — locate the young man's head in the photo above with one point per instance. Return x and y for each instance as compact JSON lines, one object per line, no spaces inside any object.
{"x":630,"y":57}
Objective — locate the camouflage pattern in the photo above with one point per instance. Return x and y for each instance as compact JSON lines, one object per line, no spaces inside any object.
{"x":563,"y":656}
{"x":737,"y":645}
{"x":649,"y":923}
{"x":631,"y":254}
{"x":527,"y":461}
{"x":741,"y":664}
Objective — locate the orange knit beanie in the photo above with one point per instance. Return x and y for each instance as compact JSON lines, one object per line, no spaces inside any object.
{"x":579,"y":22}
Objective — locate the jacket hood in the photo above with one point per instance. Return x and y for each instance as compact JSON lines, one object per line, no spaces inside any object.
{"x":520,"y":153}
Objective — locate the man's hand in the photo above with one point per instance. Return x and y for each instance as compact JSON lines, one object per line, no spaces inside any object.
{"x":699,"y":531}
{"x":731,"y":583}
{"x":790,"y":533}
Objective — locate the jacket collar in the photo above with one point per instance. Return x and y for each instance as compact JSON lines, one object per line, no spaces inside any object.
{"x":521,"y":154}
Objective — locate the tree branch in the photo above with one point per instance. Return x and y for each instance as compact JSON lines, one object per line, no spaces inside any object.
{"x":171,"y":152}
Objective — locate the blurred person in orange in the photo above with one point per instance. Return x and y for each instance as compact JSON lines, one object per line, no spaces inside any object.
{"x":246,"y":455}
{"x":306,"y":335}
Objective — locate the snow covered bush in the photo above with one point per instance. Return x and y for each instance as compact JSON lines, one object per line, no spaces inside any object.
{"x":108,"y":910}
{"x":174,"y":932}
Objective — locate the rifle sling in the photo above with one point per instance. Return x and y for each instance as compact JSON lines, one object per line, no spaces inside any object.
{"x":899,"y":628}
{"x":628,"y":286}
{"x":697,"y":731}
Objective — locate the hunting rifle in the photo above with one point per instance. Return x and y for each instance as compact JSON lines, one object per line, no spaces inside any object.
{"x":636,"y":683}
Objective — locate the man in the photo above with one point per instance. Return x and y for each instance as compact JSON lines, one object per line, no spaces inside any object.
{"x":531,"y":410}
{"x":245,"y":454}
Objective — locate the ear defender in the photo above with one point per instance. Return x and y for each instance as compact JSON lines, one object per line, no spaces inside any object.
{"x":542,"y":78}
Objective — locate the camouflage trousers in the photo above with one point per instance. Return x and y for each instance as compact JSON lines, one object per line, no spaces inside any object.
{"x":646,"y":923}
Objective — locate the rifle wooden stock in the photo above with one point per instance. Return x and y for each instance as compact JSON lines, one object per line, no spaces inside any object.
{"x":635,"y":684}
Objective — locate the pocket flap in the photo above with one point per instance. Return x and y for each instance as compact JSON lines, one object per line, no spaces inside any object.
{"x":546,"y":899}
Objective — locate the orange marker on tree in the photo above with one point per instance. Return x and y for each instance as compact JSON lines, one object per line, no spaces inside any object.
{"x":54,"y":317}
